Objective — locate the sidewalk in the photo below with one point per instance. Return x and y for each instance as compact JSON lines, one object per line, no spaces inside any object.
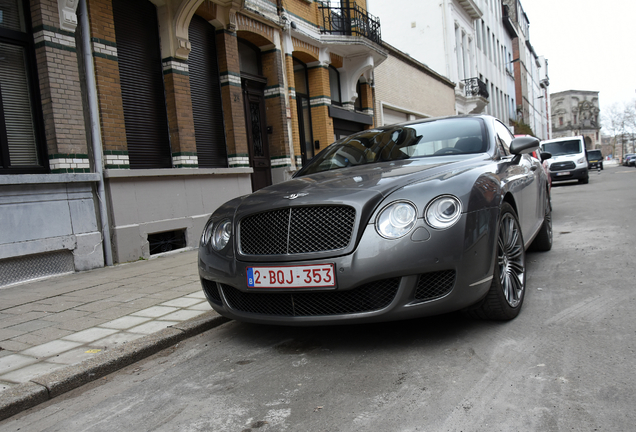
{"x":59,"y":333}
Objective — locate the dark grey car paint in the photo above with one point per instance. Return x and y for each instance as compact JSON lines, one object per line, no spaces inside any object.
{"x":481,"y":181}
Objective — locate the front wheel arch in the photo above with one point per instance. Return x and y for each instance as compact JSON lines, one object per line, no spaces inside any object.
{"x":508,"y":287}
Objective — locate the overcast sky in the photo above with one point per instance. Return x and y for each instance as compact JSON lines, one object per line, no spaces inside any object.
{"x":589,"y":45}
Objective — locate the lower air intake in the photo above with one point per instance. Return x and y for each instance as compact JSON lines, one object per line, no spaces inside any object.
{"x":366,"y":298}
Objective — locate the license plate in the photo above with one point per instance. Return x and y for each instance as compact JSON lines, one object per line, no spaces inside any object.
{"x":563,"y":173}
{"x":306,"y":276}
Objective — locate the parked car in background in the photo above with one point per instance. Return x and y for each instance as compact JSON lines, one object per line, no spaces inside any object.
{"x":594,"y":159}
{"x":626,"y":158}
{"x":542,"y":157}
{"x":631,"y":160}
{"x":568,"y":160}
{"x":395,"y":222}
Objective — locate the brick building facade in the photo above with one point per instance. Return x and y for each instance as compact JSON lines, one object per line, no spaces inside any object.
{"x":145,"y":116}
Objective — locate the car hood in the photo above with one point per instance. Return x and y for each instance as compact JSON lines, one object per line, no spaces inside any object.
{"x":362,"y":187}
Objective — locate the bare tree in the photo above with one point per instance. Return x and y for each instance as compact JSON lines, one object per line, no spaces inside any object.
{"x":620,"y":121}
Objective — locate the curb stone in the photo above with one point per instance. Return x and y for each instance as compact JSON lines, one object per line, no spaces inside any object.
{"x":43,"y":388}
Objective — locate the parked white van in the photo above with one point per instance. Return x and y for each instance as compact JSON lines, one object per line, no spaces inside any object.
{"x":569,"y":161}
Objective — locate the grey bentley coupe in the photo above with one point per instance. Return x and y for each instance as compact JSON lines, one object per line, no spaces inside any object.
{"x":395,"y":222}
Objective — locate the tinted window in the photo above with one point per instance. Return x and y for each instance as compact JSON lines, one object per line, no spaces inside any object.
{"x":505,"y":137}
{"x":562,"y":147}
{"x":443,"y":137}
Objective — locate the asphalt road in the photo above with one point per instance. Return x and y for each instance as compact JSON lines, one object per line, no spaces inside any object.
{"x":566,"y":363}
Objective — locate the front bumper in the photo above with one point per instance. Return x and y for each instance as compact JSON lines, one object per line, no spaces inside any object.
{"x":381,"y":280}
{"x":595,"y":165}
{"x":575,"y":174}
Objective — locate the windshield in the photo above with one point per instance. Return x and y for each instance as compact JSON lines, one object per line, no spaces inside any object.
{"x":562,"y":147}
{"x":440,"y":137}
{"x":594,"y":155}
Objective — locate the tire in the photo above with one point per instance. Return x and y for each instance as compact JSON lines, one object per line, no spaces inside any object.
{"x":508,"y":288}
{"x":543,"y":241}
{"x":585,"y":180}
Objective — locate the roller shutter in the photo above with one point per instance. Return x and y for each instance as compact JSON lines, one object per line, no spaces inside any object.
{"x":142,"y":87}
{"x":205,"y":91}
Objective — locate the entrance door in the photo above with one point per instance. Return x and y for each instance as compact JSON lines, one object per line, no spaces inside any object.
{"x":254,"y":97}
{"x":344,"y":128}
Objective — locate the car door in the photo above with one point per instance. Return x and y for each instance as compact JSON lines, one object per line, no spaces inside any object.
{"x":524,"y":181}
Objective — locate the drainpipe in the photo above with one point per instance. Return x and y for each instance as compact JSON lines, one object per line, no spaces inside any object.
{"x":96,"y":136}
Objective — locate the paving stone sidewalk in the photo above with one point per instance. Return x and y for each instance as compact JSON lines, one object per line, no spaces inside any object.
{"x":52,"y":323}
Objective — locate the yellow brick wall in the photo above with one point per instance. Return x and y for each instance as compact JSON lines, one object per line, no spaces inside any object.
{"x":321,"y":123}
{"x":289,"y":64}
{"x":180,"y":117}
{"x":111,"y":110}
{"x":231,"y":94}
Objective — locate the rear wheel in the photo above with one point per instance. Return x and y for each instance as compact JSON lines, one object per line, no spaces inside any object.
{"x":507,"y":290}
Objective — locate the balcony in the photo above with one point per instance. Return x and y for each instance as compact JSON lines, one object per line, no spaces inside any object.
{"x":349,"y":19}
{"x":475,"y":87}
{"x":507,"y":20}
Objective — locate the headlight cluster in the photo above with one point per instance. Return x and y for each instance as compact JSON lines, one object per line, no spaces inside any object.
{"x":443,"y":212}
{"x":217,"y":234}
{"x":398,"y":218}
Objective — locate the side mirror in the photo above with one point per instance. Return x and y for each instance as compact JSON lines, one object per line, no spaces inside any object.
{"x":524,"y":145}
{"x":545,"y":156}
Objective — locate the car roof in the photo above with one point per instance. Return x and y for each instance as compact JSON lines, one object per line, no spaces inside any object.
{"x":579,"y":137}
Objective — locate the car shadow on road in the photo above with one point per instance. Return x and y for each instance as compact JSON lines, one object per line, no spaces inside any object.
{"x":389,"y":337}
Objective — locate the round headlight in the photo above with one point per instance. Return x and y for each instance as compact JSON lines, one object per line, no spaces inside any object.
{"x":396,"y":219}
{"x":443,"y":212}
{"x":207,"y":233}
{"x":221,"y":234}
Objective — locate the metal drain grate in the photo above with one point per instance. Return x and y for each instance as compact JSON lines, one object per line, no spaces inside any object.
{"x":29,"y":267}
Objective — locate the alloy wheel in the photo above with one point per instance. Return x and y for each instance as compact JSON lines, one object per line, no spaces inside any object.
{"x":511,"y":260}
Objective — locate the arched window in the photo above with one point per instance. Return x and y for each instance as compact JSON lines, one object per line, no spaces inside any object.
{"x":142,"y":86}
{"x":249,"y":58}
{"x":304,"y":110}
{"x":334,"y":84}
{"x":205,"y":93}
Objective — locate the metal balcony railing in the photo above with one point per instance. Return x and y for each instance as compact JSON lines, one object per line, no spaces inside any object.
{"x":349,"y":19}
{"x":475,"y":87}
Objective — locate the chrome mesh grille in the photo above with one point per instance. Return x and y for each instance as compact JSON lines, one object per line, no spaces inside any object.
{"x":434,"y":285}
{"x":297,"y":230}
{"x":560,"y":166}
{"x":366,"y":298}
